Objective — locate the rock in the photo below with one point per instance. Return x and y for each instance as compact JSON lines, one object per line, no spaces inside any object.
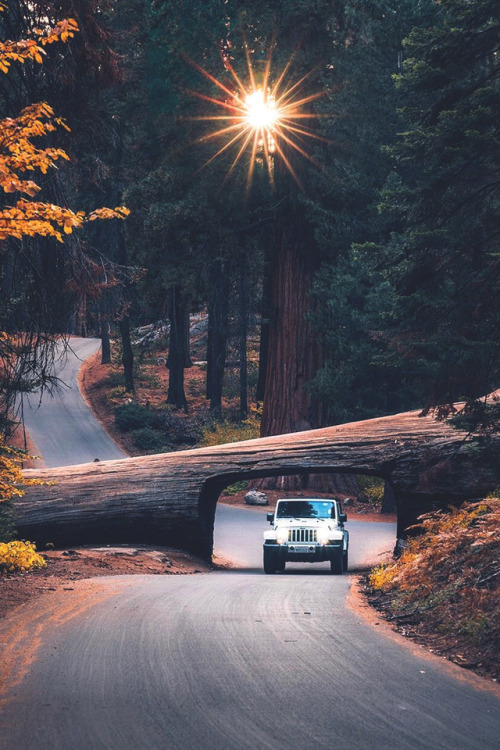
{"x":198,"y":326}
{"x":253,"y":497}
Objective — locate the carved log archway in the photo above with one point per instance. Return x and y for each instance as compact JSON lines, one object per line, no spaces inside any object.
{"x":170,"y":498}
{"x":213,"y":487}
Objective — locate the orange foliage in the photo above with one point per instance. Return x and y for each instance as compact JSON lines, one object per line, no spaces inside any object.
{"x":19,"y":155}
{"x":12,"y":478}
{"x":32,"y":49}
{"x":447,"y":582}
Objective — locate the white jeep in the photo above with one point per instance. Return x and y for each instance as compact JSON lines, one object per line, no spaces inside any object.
{"x":306,"y":530}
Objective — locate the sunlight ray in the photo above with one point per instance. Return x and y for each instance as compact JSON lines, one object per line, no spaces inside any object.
{"x":261,"y":115}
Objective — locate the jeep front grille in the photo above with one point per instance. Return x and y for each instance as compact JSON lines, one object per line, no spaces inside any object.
{"x":302,"y":535}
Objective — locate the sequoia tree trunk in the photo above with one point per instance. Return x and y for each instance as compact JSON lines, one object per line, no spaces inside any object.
{"x":243,"y":333}
{"x":177,"y":349}
{"x":217,"y":333}
{"x":294,"y":355}
{"x":293,"y":352}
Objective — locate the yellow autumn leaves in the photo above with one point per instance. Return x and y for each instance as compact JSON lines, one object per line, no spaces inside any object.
{"x":32,"y":49}
{"x":20,"y":156}
{"x":15,"y":555}
{"x":19,"y":557}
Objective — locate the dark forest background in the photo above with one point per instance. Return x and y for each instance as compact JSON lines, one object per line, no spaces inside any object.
{"x":372,"y":278}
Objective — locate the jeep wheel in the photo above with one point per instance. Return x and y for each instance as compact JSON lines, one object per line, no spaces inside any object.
{"x":270,"y":561}
{"x":346,"y":559}
{"x":336,"y":565}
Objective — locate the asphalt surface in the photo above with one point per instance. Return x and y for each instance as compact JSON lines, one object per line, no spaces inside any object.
{"x":62,"y":425}
{"x":236,"y":659}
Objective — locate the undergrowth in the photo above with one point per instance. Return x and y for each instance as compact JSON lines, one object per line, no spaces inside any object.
{"x":19,"y":557}
{"x":447,"y":582}
{"x":15,"y":555}
{"x":220,"y":433}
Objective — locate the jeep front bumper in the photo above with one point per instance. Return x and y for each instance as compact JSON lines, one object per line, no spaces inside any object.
{"x":304,"y":551}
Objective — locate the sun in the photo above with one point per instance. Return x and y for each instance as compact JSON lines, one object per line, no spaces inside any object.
{"x":266,"y":119}
{"x":262,"y":112}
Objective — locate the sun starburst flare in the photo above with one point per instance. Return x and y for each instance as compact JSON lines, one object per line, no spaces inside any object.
{"x":265,"y":118}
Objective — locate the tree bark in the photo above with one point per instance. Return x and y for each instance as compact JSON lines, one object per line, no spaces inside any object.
{"x":294,"y":356}
{"x":127,"y":354}
{"x":217,"y":333}
{"x":264,"y":328}
{"x":177,"y":349}
{"x":243,"y":334}
{"x":293,"y":352}
{"x":388,"y":500}
{"x":105,"y":341}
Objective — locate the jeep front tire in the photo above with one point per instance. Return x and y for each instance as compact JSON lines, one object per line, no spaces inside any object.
{"x":271,"y":563}
{"x":337,"y":564}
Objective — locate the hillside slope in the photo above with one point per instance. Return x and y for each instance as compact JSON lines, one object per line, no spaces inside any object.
{"x":444,"y":590}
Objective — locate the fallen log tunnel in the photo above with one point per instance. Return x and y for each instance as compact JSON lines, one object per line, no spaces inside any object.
{"x":171,"y":498}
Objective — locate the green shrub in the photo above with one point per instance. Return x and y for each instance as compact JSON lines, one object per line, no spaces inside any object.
{"x":253,"y":375}
{"x":115,"y":379}
{"x":179,"y":430}
{"x":230,"y":432}
{"x":149,"y":379}
{"x":118,"y":391}
{"x":148,"y":439}
{"x":133,"y":416}
{"x":233,"y":489}
{"x":372,"y":488}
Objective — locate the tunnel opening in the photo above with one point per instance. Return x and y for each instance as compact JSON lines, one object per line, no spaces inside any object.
{"x":213,"y":487}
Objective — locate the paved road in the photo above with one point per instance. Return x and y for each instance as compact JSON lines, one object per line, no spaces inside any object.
{"x":235,"y":660}
{"x":62,"y":426}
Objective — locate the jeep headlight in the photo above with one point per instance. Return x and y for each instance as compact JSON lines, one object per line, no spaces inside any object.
{"x":323,"y":536}
{"x":282,"y":536}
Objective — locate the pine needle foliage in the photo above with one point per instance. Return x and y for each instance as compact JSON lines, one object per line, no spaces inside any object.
{"x":447,"y":581}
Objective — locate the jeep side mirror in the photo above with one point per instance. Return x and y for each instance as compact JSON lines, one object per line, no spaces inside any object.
{"x":270,"y":517}
{"x":342,"y":517}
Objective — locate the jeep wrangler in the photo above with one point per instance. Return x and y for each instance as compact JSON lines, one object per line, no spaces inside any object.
{"x":306,"y":530}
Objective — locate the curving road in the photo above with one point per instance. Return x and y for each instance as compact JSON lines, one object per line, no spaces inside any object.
{"x":234,"y":659}
{"x":62,"y":425}
{"x":238,"y":659}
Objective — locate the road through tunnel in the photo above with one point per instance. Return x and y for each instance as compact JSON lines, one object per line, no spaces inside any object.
{"x":214,"y":487}
{"x":171,"y":498}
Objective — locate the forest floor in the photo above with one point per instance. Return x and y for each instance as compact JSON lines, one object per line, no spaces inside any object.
{"x":444,"y":590}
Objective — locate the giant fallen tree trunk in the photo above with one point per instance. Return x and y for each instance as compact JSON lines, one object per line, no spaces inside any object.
{"x":171,"y":498}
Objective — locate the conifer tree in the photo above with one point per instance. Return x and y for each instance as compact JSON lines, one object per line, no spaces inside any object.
{"x":445,"y":199}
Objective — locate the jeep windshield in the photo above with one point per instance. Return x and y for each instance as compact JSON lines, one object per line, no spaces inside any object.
{"x":305,"y":509}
